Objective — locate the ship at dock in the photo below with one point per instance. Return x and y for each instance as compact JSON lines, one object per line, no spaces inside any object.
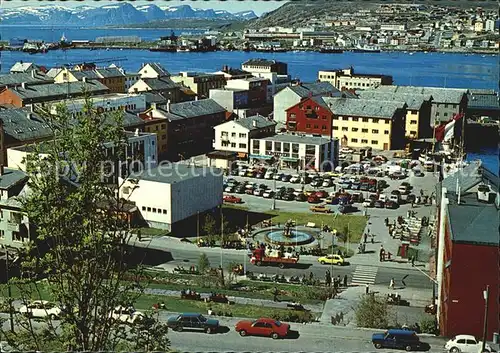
{"x":367,"y":49}
{"x":330,"y":50}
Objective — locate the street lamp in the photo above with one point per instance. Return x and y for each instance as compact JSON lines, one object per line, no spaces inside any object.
{"x":486,"y":294}
{"x":334,"y":234}
{"x":9,"y":289}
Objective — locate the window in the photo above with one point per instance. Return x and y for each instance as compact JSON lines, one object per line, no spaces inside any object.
{"x":335,"y":118}
{"x":437,"y":113}
{"x":164,"y":137}
{"x":386,"y":132}
{"x":413,"y":122}
{"x":375,"y":121}
{"x":323,"y":127}
{"x":374,"y":142}
{"x":164,"y":211}
{"x":126,"y":190}
{"x":413,"y":132}
{"x":374,"y":131}
{"x":233,"y":144}
{"x":144,"y":208}
{"x":308,"y":126}
{"x":387,"y":121}
{"x":149,"y":209}
{"x":345,"y":118}
{"x":154,"y":210}
{"x":354,"y":129}
{"x":2,"y":234}
{"x":355,"y":119}
{"x":461,"y":341}
{"x":335,"y":127}
{"x":364,"y":141}
{"x":446,"y":105}
{"x":365,"y":120}
{"x":242,"y":136}
{"x":243,"y":145}
{"x":445,"y":114}
{"x":345,"y":129}
{"x":323,"y":117}
{"x":316,"y":126}
{"x":269,"y":145}
{"x":354,"y":140}
{"x":233,"y":134}
{"x":364,"y":130}
{"x":414,"y":112}
{"x":16,"y":236}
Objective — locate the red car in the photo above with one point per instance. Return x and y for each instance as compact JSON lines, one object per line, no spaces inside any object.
{"x":263,"y":327}
{"x":313,"y":199}
{"x":231,"y":199}
{"x":321,"y":194}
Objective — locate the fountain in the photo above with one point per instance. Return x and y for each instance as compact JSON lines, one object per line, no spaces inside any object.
{"x":288,"y":235}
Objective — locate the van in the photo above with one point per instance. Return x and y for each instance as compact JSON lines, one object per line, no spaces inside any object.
{"x":404,"y":189}
{"x":383,"y":197}
{"x":397,"y":339}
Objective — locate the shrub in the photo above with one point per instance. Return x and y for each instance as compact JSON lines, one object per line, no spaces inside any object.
{"x":372,"y":312}
{"x":428,"y":325}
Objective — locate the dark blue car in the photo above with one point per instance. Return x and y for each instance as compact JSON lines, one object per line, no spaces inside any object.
{"x":397,"y":339}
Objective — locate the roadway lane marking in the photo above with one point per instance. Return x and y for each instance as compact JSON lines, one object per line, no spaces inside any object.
{"x":364,"y":275}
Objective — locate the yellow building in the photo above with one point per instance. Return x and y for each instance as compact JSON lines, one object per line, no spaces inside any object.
{"x":111,"y":77}
{"x":200,"y":83}
{"x":159,"y":127}
{"x":418,"y":111}
{"x":368,"y":122}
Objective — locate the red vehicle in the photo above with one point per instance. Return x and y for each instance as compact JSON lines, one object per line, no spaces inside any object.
{"x":321,"y":194}
{"x":231,"y":199}
{"x":364,"y":179}
{"x":313,"y":199}
{"x":260,"y":258}
{"x":263,"y":327}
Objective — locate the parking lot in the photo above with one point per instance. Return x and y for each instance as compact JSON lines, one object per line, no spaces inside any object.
{"x":262,"y":189}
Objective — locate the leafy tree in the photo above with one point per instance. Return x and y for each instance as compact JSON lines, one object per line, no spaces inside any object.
{"x":372,"y":311}
{"x":80,"y":250}
{"x":203,"y":263}
{"x":209,"y":225}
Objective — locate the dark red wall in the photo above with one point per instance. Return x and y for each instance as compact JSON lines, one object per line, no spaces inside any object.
{"x":310,"y":118}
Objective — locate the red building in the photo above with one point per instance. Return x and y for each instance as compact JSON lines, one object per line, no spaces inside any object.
{"x":471,"y":258}
{"x":310,"y":116}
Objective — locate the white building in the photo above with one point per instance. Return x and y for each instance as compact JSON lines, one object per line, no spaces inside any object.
{"x":393,"y":27}
{"x":298,"y":152}
{"x":292,"y":95}
{"x":171,"y":193}
{"x":107,"y":102}
{"x":153,"y":70}
{"x":489,"y":25}
{"x":235,"y":135}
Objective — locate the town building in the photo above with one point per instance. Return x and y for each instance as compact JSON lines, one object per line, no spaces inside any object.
{"x":139,"y":153}
{"x":28,"y":78}
{"x":483,"y":103}
{"x":161,"y":85}
{"x":356,"y":122}
{"x":233,"y":73}
{"x":418,"y":110}
{"x":393,"y":27}
{"x":169,"y":194}
{"x":468,"y":233}
{"x":200,"y":83}
{"x":20,"y":67}
{"x":111,"y":77}
{"x":296,"y":151}
{"x":153,"y":70}
{"x":256,"y":87}
{"x":190,"y":126}
{"x":489,"y":25}
{"x":292,"y":95}
{"x":265,"y":66}
{"x":105,"y":103}
{"x":446,"y":102}
{"x":15,"y":229}
{"x":232,"y":99}
{"x":33,"y":94}
{"x":478,"y":26}
{"x":157,"y":126}
{"x":348,"y":79}
{"x":235,"y":135}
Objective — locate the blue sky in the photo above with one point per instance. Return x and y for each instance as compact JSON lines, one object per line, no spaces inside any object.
{"x":258,"y":7}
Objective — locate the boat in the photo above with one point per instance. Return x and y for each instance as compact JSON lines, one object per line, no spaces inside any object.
{"x":330,"y":50}
{"x":170,"y":49}
{"x":367,"y":49}
{"x":183,"y":50}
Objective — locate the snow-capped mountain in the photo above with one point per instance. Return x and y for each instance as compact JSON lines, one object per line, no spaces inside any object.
{"x":119,"y":13}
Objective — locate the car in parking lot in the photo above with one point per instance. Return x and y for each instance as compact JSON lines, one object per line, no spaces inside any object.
{"x":301,"y":197}
{"x":289,"y":197}
{"x":395,"y":198}
{"x":331,"y":260}
{"x":355,"y":185}
{"x":466,"y":344}
{"x":258,"y":192}
{"x":327,"y":183}
{"x":41,"y":309}
{"x":379,"y":204}
{"x":229,"y":189}
{"x":344,"y":185}
{"x":242,"y":172}
{"x":193,"y":321}
{"x":269,"y":175}
{"x":263,"y":327}
{"x":320,"y":208}
{"x":286,"y":178}
{"x":391,"y":205}
{"x":369,"y":203}
{"x":268,"y":194}
{"x":278,"y":176}
{"x":249,"y":191}
{"x":231,"y":199}
{"x":316,"y":182}
{"x":364,"y":187}
{"x":126,"y":315}
{"x":357,"y":197}
{"x":347,"y":208}
{"x":397,"y":339}
{"x":321,"y":194}
{"x":240,"y":189}
{"x":295,"y":179}
{"x":313,"y":199}
{"x":260,"y":175}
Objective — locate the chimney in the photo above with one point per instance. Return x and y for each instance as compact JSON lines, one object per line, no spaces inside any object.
{"x":254,"y":123}
{"x":168,"y":106}
{"x":84,"y":79}
{"x":33,"y":74}
{"x":29,"y":116}
{"x":1,"y":169}
{"x":23,"y":85}
{"x":136,"y":132}
{"x":196,"y":98}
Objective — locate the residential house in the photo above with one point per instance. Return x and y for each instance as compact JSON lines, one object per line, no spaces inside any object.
{"x":233,"y":73}
{"x":446,"y":102}
{"x":111,"y":77}
{"x":171,"y":196}
{"x":292,"y":95}
{"x":33,"y":94}
{"x":418,"y":110}
{"x":348,"y":79}
{"x":20,"y":67}
{"x":157,"y":126}
{"x":200,"y":83}
{"x":161,"y":85}
{"x":30,"y":78}
{"x":190,"y":126}
{"x":478,"y":26}
{"x":235,"y":135}
{"x":265,"y":66}
{"x":299,"y":152}
{"x":489,"y":25}
{"x":231,"y":99}
{"x":153,"y":70}
{"x":256,"y":87}
{"x":105,"y":103}
{"x":468,"y":228}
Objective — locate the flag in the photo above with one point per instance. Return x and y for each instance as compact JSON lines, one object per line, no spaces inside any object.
{"x":445,"y":131}
{"x":449,"y":131}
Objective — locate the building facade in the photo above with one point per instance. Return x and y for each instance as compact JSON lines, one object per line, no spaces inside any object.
{"x":256,"y":87}
{"x":300,"y":152}
{"x":162,"y":85}
{"x":200,"y":83}
{"x":265,"y":66}
{"x":153,"y":70}
{"x":106,"y":103}
{"x":235,"y":135}
{"x":348,"y":79}
{"x":169,"y":194}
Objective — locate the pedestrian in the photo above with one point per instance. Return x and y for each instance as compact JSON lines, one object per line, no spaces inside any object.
{"x":275,"y":293}
{"x":381,"y":253}
{"x":373,"y":239}
{"x":345,"y":281}
{"x":339,"y":281}
{"x":367,"y":289}
{"x":413,"y":261}
{"x":392,"y":284}
{"x":364,"y":237}
{"x":139,"y":235}
{"x":403,"y":280}
{"x":421,"y":193}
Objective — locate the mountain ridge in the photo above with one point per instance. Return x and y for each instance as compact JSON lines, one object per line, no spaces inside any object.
{"x":114,"y":14}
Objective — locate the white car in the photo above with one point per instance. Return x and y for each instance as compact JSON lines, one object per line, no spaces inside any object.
{"x":41,"y":309}
{"x":242,"y":172}
{"x":295,"y":179}
{"x":126,"y":315}
{"x":327,"y":183}
{"x":465,"y":344}
{"x":269,"y":175}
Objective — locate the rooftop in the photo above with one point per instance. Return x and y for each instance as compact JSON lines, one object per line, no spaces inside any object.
{"x":57,"y":90}
{"x":261,"y":62}
{"x":310,"y":140}
{"x":160,"y":83}
{"x":484,"y":101}
{"x":23,"y":125}
{"x":314,"y":89}
{"x":109,"y":72}
{"x":259,"y":120}
{"x":22,"y":67}
{"x":32,"y":77}
{"x":413,"y":101}
{"x":11,"y":177}
{"x":185,"y":110}
{"x":372,"y":108}
{"x":439,"y":95}
{"x":174,"y":173}
{"x":159,"y":69}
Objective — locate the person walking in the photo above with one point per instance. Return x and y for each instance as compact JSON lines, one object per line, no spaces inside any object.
{"x":365,"y":237}
{"x":392,"y":284}
{"x":345,"y":281}
{"x":413,"y":261}
{"x":275,"y":294}
{"x":381,"y":253}
{"x":367,"y":289}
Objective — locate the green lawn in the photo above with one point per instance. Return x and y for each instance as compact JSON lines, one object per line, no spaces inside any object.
{"x":151,"y":232}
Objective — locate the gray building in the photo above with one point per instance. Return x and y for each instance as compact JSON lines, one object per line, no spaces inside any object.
{"x":230,"y":99}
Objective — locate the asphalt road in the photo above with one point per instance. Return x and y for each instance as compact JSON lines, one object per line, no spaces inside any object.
{"x":187,"y":258}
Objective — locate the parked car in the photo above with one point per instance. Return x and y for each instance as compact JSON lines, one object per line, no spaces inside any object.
{"x":263,"y":327}
{"x":295,"y":179}
{"x":229,"y":189}
{"x":321,"y":194}
{"x":465,"y":344}
{"x":331,"y":259}
{"x":249,"y":191}
{"x":327,"y":183}
{"x":240,"y":189}
{"x":269,"y":175}
{"x":258,"y":192}
{"x":320,"y":209}
{"x":397,"y":339}
{"x":289,"y":197}
{"x":357,"y":197}
{"x":410,"y":198}
{"x":286,"y":178}
{"x":346,"y":208}
{"x":364,"y":187}
{"x":126,"y":315}
{"x":278,"y":176}
{"x":231,"y":199}
{"x":317,"y":182}
{"x":268,"y":194}
{"x":301,"y":197}
{"x":391,"y":205}
{"x":193,"y":321}
{"x":41,"y":309}
{"x":369,"y":203}
{"x":394,"y":198}
{"x":242,"y":172}
{"x":356,"y":185}
{"x":379,"y":204}
{"x":344,"y":185}
{"x":260,"y":175}
{"x":313,"y":199}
